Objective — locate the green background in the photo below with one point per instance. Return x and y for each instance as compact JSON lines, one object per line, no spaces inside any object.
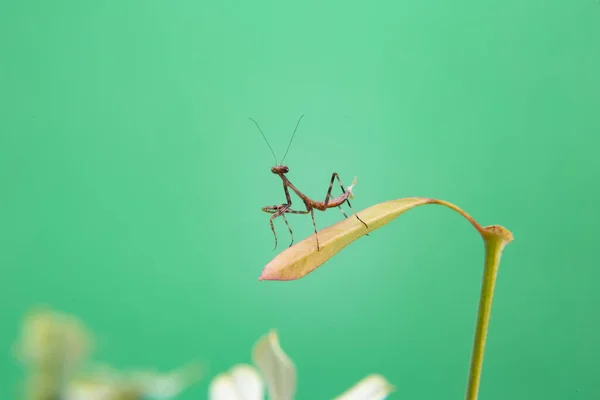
{"x":131,"y":182}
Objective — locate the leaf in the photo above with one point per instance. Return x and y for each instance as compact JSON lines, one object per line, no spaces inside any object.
{"x":277,"y":369}
{"x":373,"y":387}
{"x":302,"y":258}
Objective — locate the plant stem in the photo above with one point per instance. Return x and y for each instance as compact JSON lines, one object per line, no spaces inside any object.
{"x":495,"y":238}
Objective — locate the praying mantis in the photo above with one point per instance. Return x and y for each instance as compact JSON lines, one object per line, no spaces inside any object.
{"x":280,"y":210}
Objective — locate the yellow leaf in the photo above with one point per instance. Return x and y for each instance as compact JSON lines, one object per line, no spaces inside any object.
{"x":302,"y":258}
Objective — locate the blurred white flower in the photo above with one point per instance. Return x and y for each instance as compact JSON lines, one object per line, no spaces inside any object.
{"x":242,"y":382}
{"x":106,"y":384}
{"x":165,"y":386}
{"x":49,"y":338}
{"x":276,"y":371}
{"x":81,"y":390}
{"x":54,"y":347}
{"x":372,"y":387}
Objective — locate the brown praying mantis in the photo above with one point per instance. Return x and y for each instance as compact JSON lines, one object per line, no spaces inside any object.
{"x":281,"y":209}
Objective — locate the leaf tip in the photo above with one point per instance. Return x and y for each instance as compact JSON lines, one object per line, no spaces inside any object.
{"x":265,"y":276}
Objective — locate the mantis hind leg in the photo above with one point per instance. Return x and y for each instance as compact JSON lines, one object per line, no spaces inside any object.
{"x":312,"y":214}
{"x":328,"y":196}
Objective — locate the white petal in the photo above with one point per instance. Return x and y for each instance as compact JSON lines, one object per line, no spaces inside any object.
{"x":277,"y":369}
{"x":373,"y":387}
{"x":248,"y":382}
{"x":223,"y":387}
{"x":242,"y":382}
{"x":167,"y":386}
{"x":82,"y":391}
{"x":163,"y":387}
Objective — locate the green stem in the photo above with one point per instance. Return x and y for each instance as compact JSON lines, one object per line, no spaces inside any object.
{"x":495,"y":238}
